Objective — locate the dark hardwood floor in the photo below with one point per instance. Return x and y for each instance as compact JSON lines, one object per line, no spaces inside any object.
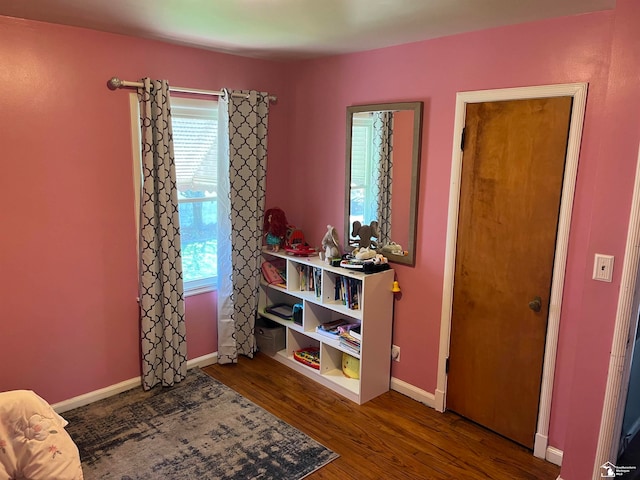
{"x":390,"y":437}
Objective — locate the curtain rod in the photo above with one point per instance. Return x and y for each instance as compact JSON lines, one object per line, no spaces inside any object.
{"x":114,"y":83}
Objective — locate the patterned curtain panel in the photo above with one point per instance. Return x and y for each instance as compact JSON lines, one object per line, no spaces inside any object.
{"x":241,"y":192}
{"x":382,"y":168}
{"x":163,"y":332}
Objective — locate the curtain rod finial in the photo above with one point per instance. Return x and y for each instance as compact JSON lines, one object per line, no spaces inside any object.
{"x":114,"y":83}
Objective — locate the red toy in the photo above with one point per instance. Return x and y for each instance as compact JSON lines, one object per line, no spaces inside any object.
{"x":296,"y":244}
{"x":300,"y":250}
{"x":278,"y":232}
{"x":308,"y":356}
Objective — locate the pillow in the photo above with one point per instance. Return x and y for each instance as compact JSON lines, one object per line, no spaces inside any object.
{"x":33,"y":442}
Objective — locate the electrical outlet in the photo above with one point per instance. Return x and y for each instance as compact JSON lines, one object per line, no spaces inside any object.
{"x":395,"y":353}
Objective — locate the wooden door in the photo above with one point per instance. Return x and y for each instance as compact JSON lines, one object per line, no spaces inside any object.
{"x":512,"y":171}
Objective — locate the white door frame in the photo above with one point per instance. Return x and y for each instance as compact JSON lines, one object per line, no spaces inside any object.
{"x":623,"y":337}
{"x":579,"y":93}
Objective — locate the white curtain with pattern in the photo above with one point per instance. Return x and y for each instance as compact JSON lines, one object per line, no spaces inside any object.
{"x":242,"y":163}
{"x":382,"y":171}
{"x":163,"y":331}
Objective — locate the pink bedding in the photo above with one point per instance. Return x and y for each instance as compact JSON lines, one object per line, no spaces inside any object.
{"x":33,"y":442}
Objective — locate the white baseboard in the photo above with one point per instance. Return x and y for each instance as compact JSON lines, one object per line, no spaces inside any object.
{"x":203,"y":361}
{"x":415,"y":393}
{"x":439,"y":406}
{"x":96,"y":395}
{"x":541,"y":449}
{"x":111,"y":390}
{"x":554,"y":455}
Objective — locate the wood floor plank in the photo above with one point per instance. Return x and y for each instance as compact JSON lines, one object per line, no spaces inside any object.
{"x":391,"y":436}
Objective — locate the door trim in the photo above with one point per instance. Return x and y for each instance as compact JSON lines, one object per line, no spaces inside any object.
{"x":579,"y":93}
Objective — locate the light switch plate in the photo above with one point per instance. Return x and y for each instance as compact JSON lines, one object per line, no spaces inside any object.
{"x":603,"y":267}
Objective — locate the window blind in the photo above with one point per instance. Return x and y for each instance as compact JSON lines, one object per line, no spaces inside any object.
{"x":195,"y":143}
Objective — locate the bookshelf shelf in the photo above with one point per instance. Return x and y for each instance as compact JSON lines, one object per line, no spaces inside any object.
{"x":326,"y":294}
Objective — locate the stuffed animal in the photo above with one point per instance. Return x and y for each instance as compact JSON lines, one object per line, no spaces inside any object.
{"x":274,"y":228}
{"x":365,"y":232}
{"x":330,"y":245}
{"x":364,"y":253}
{"x":393,"y":248}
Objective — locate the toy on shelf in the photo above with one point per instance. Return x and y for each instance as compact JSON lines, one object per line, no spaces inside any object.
{"x":300,"y":250}
{"x":364,"y":253}
{"x":371,"y":262}
{"x":274,"y":228}
{"x":330,"y":245}
{"x":365,"y":234}
{"x":350,"y":366}
{"x":295,"y":243}
{"x":308,"y":356}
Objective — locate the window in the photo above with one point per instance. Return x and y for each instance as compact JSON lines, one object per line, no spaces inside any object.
{"x":195,"y":143}
{"x":362,"y":187}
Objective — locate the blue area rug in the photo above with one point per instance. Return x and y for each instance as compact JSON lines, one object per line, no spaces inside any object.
{"x":198,"y":429}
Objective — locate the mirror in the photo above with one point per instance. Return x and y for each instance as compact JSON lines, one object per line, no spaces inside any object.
{"x":382,"y":176}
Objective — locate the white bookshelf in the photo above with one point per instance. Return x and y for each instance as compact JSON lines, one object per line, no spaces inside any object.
{"x":374,"y":313}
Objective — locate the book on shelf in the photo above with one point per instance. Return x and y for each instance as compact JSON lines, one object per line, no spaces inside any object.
{"x":330,"y":329}
{"x":333,"y":325}
{"x":310,"y":279}
{"x":351,"y":340}
{"x":317,"y":273}
{"x":335,"y":328}
{"x":352,"y":328}
{"x":327,"y":334}
{"x":350,"y":348}
{"x":348,"y":291}
{"x":274,"y":272}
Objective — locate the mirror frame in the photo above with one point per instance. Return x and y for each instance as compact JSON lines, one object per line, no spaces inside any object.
{"x":417,"y":108}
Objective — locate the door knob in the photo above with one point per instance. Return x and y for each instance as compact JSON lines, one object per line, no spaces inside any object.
{"x":535,"y":304}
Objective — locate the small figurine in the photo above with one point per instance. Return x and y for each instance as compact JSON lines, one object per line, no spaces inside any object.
{"x":365,"y":232}
{"x":330,"y":245}
{"x":274,"y":228}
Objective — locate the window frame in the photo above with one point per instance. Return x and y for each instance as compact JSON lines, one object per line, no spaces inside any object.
{"x":194,"y":287}
{"x":194,"y":107}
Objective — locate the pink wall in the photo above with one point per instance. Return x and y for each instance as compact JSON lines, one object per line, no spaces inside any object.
{"x":68,"y":251}
{"x":69,"y":317}
{"x":601,"y":49}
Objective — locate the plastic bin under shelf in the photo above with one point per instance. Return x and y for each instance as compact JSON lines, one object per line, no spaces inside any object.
{"x":270,"y":336}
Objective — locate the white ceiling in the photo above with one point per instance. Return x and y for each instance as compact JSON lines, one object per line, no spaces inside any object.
{"x":294,"y":29}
